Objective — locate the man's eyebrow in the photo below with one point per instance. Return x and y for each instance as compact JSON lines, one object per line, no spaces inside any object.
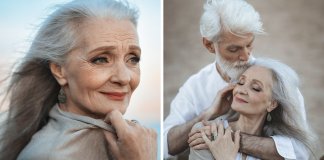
{"x":252,"y":40}
{"x":234,"y":46}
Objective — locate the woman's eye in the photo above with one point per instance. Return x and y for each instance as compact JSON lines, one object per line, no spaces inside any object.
{"x":134,"y":60}
{"x":257,"y":89}
{"x":99,"y":60}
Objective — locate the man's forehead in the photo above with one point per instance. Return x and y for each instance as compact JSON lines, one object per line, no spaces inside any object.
{"x":236,"y":39}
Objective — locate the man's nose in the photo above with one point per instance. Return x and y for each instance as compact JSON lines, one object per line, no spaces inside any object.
{"x":121,"y":74}
{"x":244,"y":55}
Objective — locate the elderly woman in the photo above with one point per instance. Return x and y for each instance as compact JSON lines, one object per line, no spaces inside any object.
{"x":68,"y":94}
{"x":264,"y":104}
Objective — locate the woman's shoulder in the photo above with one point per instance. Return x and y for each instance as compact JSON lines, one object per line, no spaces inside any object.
{"x":216,"y":120}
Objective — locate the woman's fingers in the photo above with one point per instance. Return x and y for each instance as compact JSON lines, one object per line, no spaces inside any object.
{"x":112,"y":142}
{"x":117,"y":121}
{"x":220,"y":129}
{"x":237,"y":138}
{"x":213,"y":130}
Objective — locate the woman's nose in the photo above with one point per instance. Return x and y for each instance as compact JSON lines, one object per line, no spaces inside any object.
{"x":242,"y":90}
{"x":121,"y":75}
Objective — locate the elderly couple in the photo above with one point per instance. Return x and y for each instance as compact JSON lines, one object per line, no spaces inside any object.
{"x":68,"y":94}
{"x":238,"y":107}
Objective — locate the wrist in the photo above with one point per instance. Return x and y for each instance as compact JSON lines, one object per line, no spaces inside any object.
{"x":212,"y":113}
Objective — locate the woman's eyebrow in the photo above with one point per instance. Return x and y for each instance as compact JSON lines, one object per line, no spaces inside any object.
{"x":103,"y":48}
{"x":134,"y":47}
{"x":258,"y":81}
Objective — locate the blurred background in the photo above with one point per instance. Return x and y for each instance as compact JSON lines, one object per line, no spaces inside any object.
{"x":295,"y":35}
{"x":19,"y":21}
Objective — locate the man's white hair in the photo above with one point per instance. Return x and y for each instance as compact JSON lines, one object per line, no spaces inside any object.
{"x":235,"y":16}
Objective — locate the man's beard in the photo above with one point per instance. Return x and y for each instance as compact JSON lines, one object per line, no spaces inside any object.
{"x":233,"y":70}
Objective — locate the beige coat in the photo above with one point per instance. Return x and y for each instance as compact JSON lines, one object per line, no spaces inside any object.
{"x":68,"y":136}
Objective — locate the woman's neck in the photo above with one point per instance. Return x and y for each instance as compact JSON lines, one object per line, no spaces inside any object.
{"x":249,"y":124}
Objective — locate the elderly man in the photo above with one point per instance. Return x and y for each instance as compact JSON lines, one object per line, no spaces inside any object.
{"x":228,"y":28}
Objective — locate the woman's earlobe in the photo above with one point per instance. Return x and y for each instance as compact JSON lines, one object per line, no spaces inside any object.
{"x":273,"y":105}
{"x":209,"y":45}
{"x":58,"y":73}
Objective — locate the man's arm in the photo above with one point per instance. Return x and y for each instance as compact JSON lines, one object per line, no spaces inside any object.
{"x":178,"y":135}
{"x":261,"y":147}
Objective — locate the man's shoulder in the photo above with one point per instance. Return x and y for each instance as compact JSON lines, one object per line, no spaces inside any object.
{"x":204,"y":75}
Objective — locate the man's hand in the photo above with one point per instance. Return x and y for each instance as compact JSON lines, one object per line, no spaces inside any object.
{"x":222,"y":102}
{"x":195,"y":137}
{"x":131,"y":141}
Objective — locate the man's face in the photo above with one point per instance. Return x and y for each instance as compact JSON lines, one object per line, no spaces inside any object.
{"x":233,"y":53}
{"x":235,"y":49}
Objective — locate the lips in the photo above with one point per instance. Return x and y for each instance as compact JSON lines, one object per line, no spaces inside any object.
{"x":117,"y":96}
{"x":240,"y":100}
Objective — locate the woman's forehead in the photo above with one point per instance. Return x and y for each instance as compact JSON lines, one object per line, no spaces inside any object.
{"x":259,"y":73}
{"x":119,"y":29}
{"x":99,"y":32}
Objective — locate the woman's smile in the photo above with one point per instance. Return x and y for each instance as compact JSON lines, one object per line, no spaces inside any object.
{"x":240,"y":100}
{"x":116,"y":96}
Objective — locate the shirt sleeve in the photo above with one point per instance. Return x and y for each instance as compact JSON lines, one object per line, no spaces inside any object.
{"x":181,"y":110}
{"x":289,"y":148}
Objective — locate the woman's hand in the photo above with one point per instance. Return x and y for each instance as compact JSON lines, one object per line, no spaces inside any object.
{"x":222,"y":145}
{"x":222,"y":102}
{"x":133,"y":141}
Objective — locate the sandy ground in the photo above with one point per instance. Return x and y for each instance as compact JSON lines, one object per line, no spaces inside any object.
{"x":295,"y":35}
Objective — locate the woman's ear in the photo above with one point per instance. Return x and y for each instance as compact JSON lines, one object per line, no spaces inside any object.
{"x":209,"y":45}
{"x":59,"y":73}
{"x":273,"y":105}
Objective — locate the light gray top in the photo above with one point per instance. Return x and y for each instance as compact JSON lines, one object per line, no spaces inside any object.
{"x":68,"y":136}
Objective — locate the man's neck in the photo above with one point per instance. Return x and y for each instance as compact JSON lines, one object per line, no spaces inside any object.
{"x":224,"y":76}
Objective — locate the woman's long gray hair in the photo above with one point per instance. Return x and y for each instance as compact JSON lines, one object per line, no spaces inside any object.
{"x":32,"y":89}
{"x":287,"y":118}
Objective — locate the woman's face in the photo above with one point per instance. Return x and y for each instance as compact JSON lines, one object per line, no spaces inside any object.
{"x":253,"y":93}
{"x":104,"y":71}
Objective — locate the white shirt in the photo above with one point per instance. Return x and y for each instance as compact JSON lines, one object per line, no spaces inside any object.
{"x":198,"y":93}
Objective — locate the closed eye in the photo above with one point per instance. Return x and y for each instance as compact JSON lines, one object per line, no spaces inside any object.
{"x":257,"y":89}
{"x":233,"y":50}
{"x":240,"y":83}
